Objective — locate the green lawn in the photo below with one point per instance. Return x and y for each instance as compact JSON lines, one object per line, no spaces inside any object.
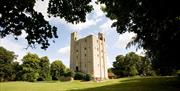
{"x":122,"y":84}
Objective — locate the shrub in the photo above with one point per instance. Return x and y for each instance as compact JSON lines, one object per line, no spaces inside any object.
{"x":31,"y":77}
{"x":82,"y":76}
{"x":87,"y":77}
{"x":69,"y":74}
{"x":79,"y":76}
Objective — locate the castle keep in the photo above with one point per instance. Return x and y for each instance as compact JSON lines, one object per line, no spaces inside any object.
{"x":88,"y":55}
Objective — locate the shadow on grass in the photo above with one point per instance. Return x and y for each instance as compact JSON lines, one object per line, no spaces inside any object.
{"x":141,"y":84}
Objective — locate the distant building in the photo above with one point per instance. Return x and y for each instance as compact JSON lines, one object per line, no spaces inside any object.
{"x":88,"y":55}
{"x":111,"y":75}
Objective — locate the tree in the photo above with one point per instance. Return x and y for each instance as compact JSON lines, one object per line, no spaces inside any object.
{"x":131,"y":65}
{"x":7,"y":67}
{"x":57,"y":69}
{"x":19,"y":15}
{"x":18,"y":70}
{"x":131,"y":60}
{"x":157,"y":25}
{"x":6,"y":56}
{"x":73,"y":11}
{"x":44,"y":73}
{"x":119,"y":66}
{"x":145,"y":67}
{"x":30,"y":67}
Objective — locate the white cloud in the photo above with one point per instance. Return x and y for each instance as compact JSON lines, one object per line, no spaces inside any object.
{"x":106,"y":27}
{"x":65,"y":55}
{"x":57,"y":21}
{"x":41,"y":6}
{"x":140,"y":52}
{"x":97,"y":12}
{"x":91,"y":19}
{"x":65,"y":51}
{"x":82,"y":26}
{"x":124,"y":39}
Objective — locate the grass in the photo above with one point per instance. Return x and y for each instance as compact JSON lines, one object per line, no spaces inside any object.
{"x":122,"y":84}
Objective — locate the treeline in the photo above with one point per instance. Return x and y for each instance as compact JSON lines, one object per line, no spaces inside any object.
{"x":131,"y":65}
{"x":33,"y":68}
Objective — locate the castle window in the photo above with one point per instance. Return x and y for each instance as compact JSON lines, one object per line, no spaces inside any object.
{"x":85,"y":48}
{"x":84,"y":54}
{"x":100,"y":38}
{"x":85,"y":40}
{"x":97,"y":41}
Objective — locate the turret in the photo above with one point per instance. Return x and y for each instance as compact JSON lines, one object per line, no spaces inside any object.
{"x":101,"y":36}
{"x":73,"y":40}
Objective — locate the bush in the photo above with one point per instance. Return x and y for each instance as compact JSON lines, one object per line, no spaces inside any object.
{"x":82,"y":76}
{"x":31,"y":77}
{"x":87,"y":77}
{"x":69,"y":74}
{"x":79,"y":76}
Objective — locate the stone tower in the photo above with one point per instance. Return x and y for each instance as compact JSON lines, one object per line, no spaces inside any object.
{"x":88,"y":55}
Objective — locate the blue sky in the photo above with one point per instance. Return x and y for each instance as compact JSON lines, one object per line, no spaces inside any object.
{"x":96,"y":22}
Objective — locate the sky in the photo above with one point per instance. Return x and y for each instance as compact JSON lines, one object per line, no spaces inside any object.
{"x":96,"y":22}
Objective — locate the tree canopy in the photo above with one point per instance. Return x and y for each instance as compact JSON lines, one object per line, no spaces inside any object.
{"x":19,"y":15}
{"x":157,"y":25}
{"x":132,"y":64}
{"x":7,"y":66}
{"x":57,"y":69}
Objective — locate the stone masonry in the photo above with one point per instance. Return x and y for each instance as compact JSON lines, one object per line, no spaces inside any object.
{"x":88,"y":55}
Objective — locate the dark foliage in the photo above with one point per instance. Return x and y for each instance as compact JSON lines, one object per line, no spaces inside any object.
{"x":19,"y":15}
{"x":157,"y":25}
{"x":87,"y":77}
{"x":132,"y":65}
{"x":79,"y":76}
{"x":7,"y":66}
{"x":69,"y":73}
{"x":44,"y":71}
{"x":57,"y":69}
{"x":82,"y":76}
{"x":73,"y":11}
